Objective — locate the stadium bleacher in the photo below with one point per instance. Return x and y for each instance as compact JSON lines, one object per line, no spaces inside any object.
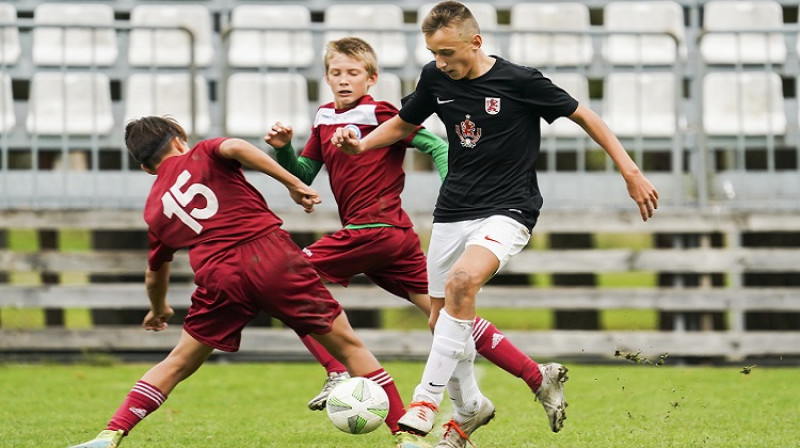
{"x":703,"y":93}
{"x":123,"y":43}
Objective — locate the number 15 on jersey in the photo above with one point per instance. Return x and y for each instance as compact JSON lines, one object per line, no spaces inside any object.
{"x":175,"y":202}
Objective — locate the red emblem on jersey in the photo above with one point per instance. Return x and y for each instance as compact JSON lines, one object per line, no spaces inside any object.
{"x":468,"y":133}
{"x":492,"y":105}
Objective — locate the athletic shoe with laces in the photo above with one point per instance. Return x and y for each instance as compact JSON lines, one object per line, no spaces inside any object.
{"x":456,"y":435}
{"x":418,"y":419}
{"x":407,"y":440}
{"x":106,"y":439}
{"x":551,"y":394}
{"x":334,"y":378}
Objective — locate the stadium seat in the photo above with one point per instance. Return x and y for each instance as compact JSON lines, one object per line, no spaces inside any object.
{"x":250,"y":48}
{"x":168,"y":94}
{"x":361,"y":19}
{"x":748,"y":103}
{"x":540,"y":49}
{"x":485,"y":14}
{"x":577,"y":86}
{"x":646,"y":49}
{"x":435,"y":125}
{"x":388,"y":88}
{"x":257,"y":100}
{"x":7,"y":117}
{"x":74,"y":46}
{"x":9,"y":36}
{"x":746,"y":48}
{"x":76,"y":103}
{"x":641,"y":104}
{"x":165,"y":47}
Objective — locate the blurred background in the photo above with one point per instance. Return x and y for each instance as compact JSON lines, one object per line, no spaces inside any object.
{"x":702,"y":93}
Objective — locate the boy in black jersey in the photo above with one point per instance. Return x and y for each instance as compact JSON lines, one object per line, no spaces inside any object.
{"x":488,"y":203}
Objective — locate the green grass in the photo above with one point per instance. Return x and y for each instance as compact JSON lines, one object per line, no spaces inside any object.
{"x":263,"y":405}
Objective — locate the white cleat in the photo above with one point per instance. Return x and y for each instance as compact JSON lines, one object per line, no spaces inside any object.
{"x":551,"y":394}
{"x":419,"y":417}
{"x":318,"y":403}
{"x":456,"y":434}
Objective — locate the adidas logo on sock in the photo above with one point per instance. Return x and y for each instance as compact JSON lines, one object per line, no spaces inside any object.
{"x":141,"y":413}
{"x":496,"y":338}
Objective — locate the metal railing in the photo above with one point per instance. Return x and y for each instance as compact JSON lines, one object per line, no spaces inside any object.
{"x":685,"y":174}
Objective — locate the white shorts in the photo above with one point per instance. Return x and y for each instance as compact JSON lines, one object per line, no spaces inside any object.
{"x":503,"y":236}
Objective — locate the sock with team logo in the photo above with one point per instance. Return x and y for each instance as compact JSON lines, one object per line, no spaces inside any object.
{"x":141,"y":401}
{"x":495,"y":347}
{"x":396,"y":407}
{"x":322,"y":356}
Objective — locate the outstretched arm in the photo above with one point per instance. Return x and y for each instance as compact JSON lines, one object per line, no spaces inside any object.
{"x":389,"y":132}
{"x":640,"y":189}
{"x":252,"y":157}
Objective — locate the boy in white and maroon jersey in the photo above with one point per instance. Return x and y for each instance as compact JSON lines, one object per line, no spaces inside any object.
{"x":244,"y":264}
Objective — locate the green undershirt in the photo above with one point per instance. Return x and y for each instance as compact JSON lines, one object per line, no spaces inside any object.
{"x":307,"y":169}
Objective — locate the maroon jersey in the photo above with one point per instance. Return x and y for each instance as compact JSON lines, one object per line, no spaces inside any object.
{"x":367,"y":187}
{"x":202,"y":201}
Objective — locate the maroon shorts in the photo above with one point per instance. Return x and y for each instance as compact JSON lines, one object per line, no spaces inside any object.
{"x":269,"y":274}
{"x":390,"y":256}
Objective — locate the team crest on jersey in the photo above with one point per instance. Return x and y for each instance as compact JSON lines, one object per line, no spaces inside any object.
{"x":468,"y":132}
{"x":492,"y":105}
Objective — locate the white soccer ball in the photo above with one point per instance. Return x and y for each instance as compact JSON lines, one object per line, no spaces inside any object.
{"x":357,"y":406}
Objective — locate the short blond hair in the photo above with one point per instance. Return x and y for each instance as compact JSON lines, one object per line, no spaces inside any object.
{"x":449,"y":13}
{"x":355,"y":48}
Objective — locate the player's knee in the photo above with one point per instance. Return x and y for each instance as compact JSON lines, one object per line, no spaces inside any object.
{"x":461,"y":284}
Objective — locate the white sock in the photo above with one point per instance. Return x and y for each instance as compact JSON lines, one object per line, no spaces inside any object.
{"x":450,"y":337}
{"x":463,"y":387}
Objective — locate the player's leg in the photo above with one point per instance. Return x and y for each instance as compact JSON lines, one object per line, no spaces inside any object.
{"x":342,"y":342}
{"x":447,"y":244}
{"x":150,"y":392}
{"x":337,"y":258}
{"x":471,"y":409}
{"x":290,"y":289}
{"x":323,"y":255}
{"x":546,"y":381}
{"x":335,"y":370}
{"x":497,"y":348}
{"x":505,"y":237}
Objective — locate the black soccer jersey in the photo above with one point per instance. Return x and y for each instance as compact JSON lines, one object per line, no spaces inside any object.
{"x":493,"y":131}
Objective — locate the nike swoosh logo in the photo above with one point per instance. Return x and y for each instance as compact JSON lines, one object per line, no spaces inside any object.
{"x":436,"y":385}
{"x":438,"y":101}
{"x":491,"y":239}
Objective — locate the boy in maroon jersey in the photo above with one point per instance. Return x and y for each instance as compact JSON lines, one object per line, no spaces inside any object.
{"x":244,"y":263}
{"x":378,"y":238}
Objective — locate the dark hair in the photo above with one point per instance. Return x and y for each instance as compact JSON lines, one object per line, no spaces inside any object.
{"x":146,"y":138}
{"x":449,"y":13}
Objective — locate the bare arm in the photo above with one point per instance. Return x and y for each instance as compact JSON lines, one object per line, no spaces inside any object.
{"x":639,"y":187}
{"x":251,"y":157}
{"x":156,"y":283}
{"x":389,"y":132}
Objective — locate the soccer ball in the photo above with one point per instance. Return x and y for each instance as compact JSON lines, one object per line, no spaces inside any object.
{"x":357,"y":405}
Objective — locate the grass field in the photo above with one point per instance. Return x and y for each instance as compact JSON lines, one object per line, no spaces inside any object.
{"x":263,"y":405}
